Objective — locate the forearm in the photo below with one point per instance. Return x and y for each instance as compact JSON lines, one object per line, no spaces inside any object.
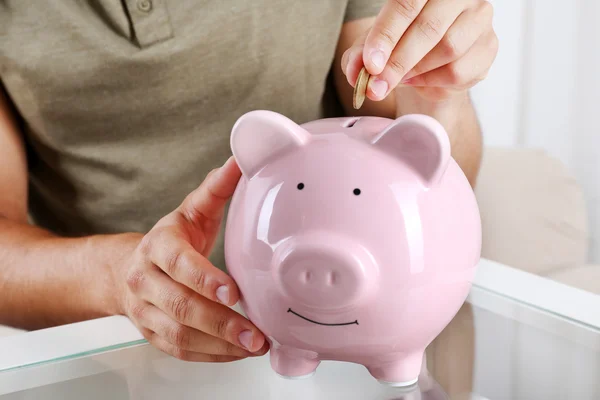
{"x":47,"y":280}
{"x":458,"y":117}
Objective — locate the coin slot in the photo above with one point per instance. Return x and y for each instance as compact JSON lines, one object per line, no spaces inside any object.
{"x":350,"y":123}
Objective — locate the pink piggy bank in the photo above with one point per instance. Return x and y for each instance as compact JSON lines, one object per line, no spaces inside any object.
{"x":351,"y":239}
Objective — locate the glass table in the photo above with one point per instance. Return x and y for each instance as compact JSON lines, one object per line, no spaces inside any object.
{"x":518,"y":336}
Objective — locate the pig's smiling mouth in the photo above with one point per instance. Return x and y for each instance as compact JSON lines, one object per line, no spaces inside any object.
{"x":355,"y":322}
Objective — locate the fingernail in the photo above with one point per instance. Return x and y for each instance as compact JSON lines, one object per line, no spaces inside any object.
{"x":379,"y":87}
{"x":377,"y":58}
{"x":263,"y":350}
{"x":246,"y":339}
{"x":230,"y":160}
{"x":223,"y":294}
{"x":344,"y":62}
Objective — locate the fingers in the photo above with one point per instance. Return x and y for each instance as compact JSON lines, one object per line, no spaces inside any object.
{"x":179,"y":298}
{"x":208,"y":201}
{"x":186,"y":338}
{"x":353,"y":64}
{"x":166,"y":248}
{"x":461,"y":36}
{"x":464,"y":72}
{"x":420,"y":38}
{"x":413,"y":38}
{"x":188,"y":308}
{"x":391,"y":23}
{"x":352,"y":60}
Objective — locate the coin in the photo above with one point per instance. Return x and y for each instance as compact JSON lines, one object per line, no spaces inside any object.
{"x":360,"y":89}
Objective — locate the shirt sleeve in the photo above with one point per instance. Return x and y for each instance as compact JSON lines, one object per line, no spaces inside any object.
{"x":357,"y":9}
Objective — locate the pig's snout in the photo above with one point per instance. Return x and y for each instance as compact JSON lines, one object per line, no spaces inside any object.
{"x":324,"y":272}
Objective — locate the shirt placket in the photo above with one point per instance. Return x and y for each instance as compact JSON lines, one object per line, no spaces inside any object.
{"x":150,"y":20}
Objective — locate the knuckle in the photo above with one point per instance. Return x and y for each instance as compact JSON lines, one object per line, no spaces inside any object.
{"x":231,"y":349}
{"x":219,"y":326}
{"x":179,"y":335}
{"x":173,"y":259}
{"x":199,"y":279}
{"x":482,"y":76}
{"x":211,"y":173}
{"x":495,"y":42}
{"x":431,"y":27}
{"x":386,"y":35}
{"x":398,"y":66}
{"x":159,"y":234}
{"x":409,"y":9}
{"x":156,"y":235}
{"x":449,"y":48}
{"x":145,"y":245}
{"x":180,"y":354}
{"x":455,"y":73}
{"x":180,"y":305}
{"x":138,"y":311}
{"x":487,"y":10}
{"x":135,"y":280}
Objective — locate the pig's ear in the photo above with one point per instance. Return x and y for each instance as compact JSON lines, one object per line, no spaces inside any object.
{"x":421,"y":142}
{"x":259,"y":136}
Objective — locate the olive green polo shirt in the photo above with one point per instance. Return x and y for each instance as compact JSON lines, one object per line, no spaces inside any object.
{"x":126,"y":105}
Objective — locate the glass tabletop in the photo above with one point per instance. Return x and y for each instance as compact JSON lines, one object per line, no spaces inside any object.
{"x":518,"y":336}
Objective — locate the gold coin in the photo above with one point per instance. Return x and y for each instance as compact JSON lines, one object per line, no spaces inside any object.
{"x":360,"y":89}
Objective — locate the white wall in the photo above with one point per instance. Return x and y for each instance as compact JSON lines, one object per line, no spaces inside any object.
{"x":498,"y":97}
{"x":544,"y":88}
{"x":586,"y":132}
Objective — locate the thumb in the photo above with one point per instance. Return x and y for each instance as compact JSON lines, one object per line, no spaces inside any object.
{"x":209,"y":200}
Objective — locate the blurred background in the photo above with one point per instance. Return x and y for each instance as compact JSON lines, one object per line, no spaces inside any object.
{"x":540,"y":183}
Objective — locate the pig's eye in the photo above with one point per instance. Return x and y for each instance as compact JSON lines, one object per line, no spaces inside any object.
{"x":356,"y":191}
{"x":300,"y":186}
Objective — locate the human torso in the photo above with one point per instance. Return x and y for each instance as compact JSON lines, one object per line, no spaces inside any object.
{"x":126,"y":106}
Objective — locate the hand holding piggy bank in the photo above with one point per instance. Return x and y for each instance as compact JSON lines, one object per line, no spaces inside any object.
{"x":351,"y":239}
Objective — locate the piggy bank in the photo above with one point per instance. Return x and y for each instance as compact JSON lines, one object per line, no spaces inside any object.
{"x":351,"y":239}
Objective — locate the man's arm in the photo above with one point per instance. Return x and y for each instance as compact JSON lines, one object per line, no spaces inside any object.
{"x":162,"y":281}
{"x":455,"y":113}
{"x":47,"y":280}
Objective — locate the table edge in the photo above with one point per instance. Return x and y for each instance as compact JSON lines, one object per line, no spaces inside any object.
{"x":110,"y":333}
{"x":540,"y":292}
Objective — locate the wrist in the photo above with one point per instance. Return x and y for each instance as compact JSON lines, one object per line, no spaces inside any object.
{"x":450,"y":111}
{"x":111,"y":286}
{"x":410,"y":101}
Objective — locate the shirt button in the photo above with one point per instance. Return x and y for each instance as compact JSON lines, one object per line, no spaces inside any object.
{"x":144,"y":5}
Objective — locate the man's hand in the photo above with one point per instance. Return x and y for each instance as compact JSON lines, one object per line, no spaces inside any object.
{"x":439,"y":47}
{"x":174,"y":295}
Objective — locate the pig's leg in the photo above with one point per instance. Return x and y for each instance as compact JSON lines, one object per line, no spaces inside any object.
{"x":290,"y":366}
{"x":402,"y":372}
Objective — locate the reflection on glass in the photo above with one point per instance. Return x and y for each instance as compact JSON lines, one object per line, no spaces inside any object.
{"x":451,"y":356}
